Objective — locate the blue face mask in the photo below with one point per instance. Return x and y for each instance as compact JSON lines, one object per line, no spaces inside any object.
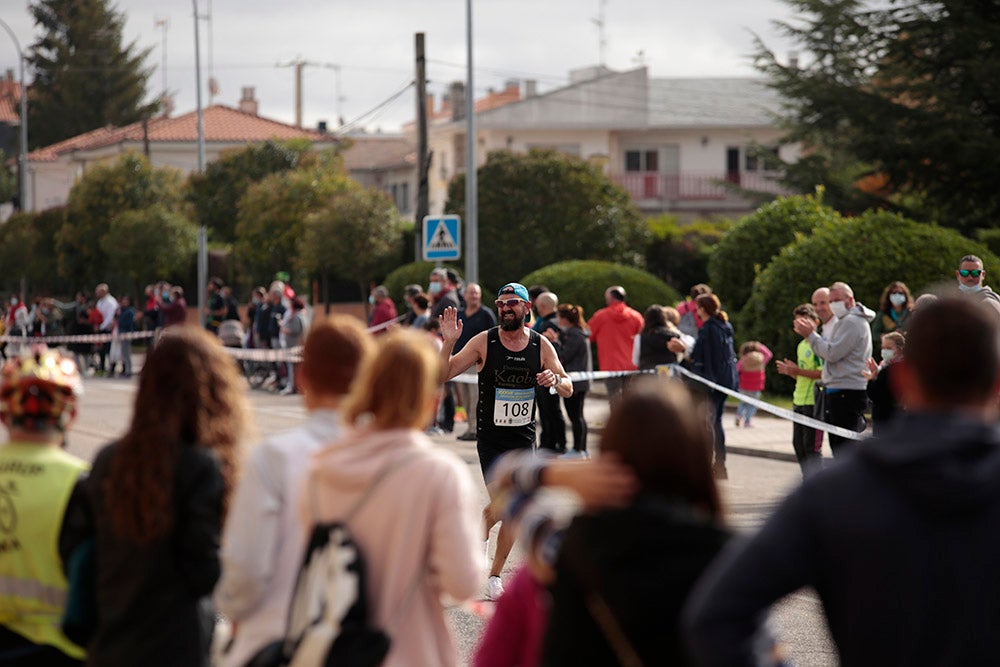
{"x":371,"y":300}
{"x":434,"y":288}
{"x":166,"y":295}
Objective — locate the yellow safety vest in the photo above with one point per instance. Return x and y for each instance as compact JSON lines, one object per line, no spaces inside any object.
{"x":35,"y":485}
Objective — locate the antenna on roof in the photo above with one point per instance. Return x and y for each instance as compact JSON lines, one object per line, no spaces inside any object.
{"x":602,"y":41}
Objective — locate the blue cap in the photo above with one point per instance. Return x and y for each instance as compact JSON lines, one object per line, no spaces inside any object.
{"x":516,"y":289}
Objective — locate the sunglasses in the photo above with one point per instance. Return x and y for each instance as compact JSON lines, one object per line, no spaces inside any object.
{"x":508,"y":303}
{"x":965,"y":273}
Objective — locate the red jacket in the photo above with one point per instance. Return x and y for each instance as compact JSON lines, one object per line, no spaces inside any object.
{"x":612,"y":329}
{"x":384,"y":311}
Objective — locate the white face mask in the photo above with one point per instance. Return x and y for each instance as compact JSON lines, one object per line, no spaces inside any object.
{"x":970,"y":288}
{"x":897,"y":299}
{"x":838,"y":308}
{"x":887,"y":355}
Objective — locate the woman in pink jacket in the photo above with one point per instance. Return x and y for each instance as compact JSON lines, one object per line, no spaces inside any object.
{"x":420,"y":529}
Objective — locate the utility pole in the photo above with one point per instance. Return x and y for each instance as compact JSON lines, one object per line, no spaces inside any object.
{"x":471,"y":173}
{"x":202,"y":232}
{"x":423,"y":159}
{"x":602,"y":41}
{"x":298,"y":64}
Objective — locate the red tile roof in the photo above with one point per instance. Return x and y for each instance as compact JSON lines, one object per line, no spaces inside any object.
{"x":10,"y":101}
{"x":221,"y":124}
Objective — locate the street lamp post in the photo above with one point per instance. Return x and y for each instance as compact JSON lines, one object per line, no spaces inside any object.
{"x":202,"y":232}
{"x":22,"y":156}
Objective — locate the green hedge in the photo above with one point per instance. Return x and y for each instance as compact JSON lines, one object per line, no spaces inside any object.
{"x":867,"y":252}
{"x":752,"y":243}
{"x":584,"y":282}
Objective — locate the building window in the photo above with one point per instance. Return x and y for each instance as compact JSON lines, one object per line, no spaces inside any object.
{"x":642,"y":160}
{"x":404,"y":198}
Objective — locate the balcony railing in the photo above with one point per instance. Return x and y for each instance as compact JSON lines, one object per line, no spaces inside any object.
{"x":694,"y":186}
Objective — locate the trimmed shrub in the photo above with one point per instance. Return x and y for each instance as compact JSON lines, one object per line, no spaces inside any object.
{"x":679,"y":253}
{"x":867,"y":252}
{"x":583,"y":282}
{"x":749,"y":247}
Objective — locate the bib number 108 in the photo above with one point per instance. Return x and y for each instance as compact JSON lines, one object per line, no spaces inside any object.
{"x":512,"y":410}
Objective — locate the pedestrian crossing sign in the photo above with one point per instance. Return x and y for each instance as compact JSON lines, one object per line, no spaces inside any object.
{"x":442,"y":237}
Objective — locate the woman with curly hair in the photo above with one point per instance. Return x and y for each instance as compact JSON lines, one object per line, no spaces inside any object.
{"x":156,"y":500}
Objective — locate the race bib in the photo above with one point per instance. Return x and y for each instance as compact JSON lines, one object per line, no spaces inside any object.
{"x":513,"y":407}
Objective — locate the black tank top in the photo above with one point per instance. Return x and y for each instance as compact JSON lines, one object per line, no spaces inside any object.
{"x":507,"y":382}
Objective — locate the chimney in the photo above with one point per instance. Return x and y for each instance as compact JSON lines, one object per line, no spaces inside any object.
{"x":248,"y":103}
{"x":429,"y":104}
{"x":321,"y":127}
{"x":793,"y":60}
{"x":10,"y":74}
{"x":530,"y":88}
{"x":511,"y":85}
{"x":456,"y":93}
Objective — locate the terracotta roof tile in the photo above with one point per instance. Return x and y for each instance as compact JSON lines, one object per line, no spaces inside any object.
{"x":10,"y":100}
{"x":220,"y":122}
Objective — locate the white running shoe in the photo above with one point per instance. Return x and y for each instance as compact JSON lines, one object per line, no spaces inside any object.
{"x":494,"y":588}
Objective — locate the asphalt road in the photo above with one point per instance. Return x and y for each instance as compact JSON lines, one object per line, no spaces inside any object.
{"x":756,"y":484}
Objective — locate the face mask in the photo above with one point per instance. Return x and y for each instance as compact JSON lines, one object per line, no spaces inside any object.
{"x":166,"y":295}
{"x":371,"y":300}
{"x":887,"y":355}
{"x":839,"y":308}
{"x":13,"y":300}
{"x":970,"y":288}
{"x":897,"y":299}
{"x":434,"y":288}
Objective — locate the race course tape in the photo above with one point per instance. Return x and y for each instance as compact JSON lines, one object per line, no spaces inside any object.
{"x":676,"y":370}
{"x":84,"y":338}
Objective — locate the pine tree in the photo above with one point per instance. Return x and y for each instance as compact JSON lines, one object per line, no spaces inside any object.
{"x":902,"y":100}
{"x":84,"y":78}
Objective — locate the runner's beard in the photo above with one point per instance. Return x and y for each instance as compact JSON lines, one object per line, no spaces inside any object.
{"x":513,"y":324}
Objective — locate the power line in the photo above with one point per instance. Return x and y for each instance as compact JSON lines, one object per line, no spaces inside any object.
{"x":347,"y":127}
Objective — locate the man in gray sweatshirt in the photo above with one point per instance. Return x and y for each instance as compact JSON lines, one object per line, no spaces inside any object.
{"x":845,"y":353}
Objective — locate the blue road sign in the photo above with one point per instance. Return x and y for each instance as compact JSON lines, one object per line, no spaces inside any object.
{"x":442,"y":237}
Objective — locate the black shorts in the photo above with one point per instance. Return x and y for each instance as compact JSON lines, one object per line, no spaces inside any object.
{"x":491,"y":447}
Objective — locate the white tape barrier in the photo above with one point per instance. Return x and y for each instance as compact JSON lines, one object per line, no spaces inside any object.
{"x":767,"y":407}
{"x":676,"y":370}
{"x":84,"y":338}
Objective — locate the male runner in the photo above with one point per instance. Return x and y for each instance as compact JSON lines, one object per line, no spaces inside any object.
{"x":511,"y":360}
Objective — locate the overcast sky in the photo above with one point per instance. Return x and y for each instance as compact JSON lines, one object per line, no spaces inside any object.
{"x":372,"y":44}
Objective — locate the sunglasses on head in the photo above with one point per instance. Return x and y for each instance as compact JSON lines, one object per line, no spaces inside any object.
{"x":965,"y":273}
{"x":508,"y":303}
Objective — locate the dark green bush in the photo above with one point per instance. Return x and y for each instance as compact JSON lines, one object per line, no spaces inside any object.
{"x":679,"y":253}
{"x":583,"y":282}
{"x":749,"y":247}
{"x":867,"y":252}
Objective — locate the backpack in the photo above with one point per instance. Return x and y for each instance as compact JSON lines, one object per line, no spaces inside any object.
{"x":328,"y":619}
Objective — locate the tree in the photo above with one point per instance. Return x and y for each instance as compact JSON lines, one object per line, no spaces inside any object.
{"x":84,"y":78}
{"x":103,"y":193}
{"x":756,"y":239}
{"x":543,"y":207}
{"x":272,"y":214}
{"x":150,"y":244}
{"x":906,"y":94}
{"x":358,"y":235}
{"x":215,"y":194}
{"x":679,"y":253}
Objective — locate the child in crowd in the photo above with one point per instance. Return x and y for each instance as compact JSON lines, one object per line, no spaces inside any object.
{"x":880,"y":392}
{"x":754,"y":356}
{"x":294,"y":331}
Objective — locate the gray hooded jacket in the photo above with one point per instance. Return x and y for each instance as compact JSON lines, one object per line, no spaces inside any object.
{"x":846,"y":350}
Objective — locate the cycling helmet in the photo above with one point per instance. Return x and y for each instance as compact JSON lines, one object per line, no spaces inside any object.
{"x":38,"y":389}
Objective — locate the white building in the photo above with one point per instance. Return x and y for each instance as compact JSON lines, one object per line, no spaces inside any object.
{"x":672,"y":143}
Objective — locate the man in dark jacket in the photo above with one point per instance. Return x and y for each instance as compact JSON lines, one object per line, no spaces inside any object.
{"x":900,"y":538}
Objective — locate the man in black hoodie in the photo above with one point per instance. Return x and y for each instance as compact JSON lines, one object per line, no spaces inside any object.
{"x":900,"y":539}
